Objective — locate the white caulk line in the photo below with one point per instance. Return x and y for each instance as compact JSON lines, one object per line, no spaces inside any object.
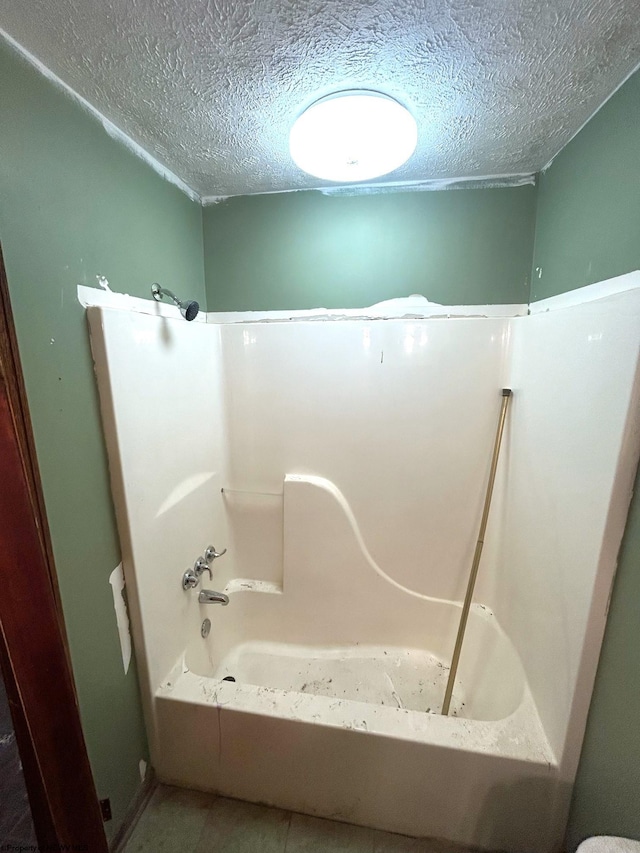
{"x":98,"y":297}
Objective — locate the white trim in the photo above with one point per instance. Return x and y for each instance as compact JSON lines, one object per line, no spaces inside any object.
{"x":405,"y":308}
{"x":482,"y":182}
{"x":110,"y":128}
{"x":519,"y":179}
{"x":588,"y":293}
{"x":408,"y":308}
{"x":94,"y":296}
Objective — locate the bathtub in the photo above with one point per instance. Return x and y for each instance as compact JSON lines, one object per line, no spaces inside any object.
{"x":339,"y":681}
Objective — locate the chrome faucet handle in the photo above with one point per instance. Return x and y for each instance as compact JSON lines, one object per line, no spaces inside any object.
{"x":210,"y":554}
{"x":190,"y":579}
{"x":201,"y":566}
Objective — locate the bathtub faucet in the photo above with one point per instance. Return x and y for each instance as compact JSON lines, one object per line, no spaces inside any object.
{"x":191,"y":578}
{"x":208,"y":596}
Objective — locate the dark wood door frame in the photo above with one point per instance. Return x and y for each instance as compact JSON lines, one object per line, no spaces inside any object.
{"x":33,"y":649}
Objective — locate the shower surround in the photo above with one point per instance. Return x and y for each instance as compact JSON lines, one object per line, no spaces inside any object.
{"x":343,"y":464}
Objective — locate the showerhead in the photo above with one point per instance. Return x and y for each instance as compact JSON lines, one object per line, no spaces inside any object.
{"x":189,"y":308}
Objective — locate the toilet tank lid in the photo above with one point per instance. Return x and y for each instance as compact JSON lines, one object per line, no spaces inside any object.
{"x":609,"y":844}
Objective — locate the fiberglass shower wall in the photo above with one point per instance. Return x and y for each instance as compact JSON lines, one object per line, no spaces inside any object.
{"x":401,"y":416}
{"x":161,"y":401}
{"x":565,"y":485}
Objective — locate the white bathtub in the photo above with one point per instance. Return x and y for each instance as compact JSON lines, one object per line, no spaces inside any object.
{"x":335,"y":707}
{"x":301,"y":740}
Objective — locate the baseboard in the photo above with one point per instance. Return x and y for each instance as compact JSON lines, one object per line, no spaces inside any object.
{"x":138,"y":805}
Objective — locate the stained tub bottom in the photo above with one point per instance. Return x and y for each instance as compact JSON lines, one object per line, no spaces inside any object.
{"x":411,"y":679}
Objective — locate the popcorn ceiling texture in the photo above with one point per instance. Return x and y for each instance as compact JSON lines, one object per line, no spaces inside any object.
{"x":210,"y":88}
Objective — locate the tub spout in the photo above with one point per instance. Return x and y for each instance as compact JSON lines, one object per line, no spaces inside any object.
{"x":208,"y":596}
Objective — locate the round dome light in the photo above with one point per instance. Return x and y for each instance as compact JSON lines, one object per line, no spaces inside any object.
{"x":353,"y":136}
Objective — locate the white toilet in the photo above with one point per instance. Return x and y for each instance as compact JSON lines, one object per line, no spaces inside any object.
{"x":608,"y":844}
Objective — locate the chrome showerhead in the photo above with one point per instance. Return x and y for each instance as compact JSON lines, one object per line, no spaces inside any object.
{"x":189,"y":308}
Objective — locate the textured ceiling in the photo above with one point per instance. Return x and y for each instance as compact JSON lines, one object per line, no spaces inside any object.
{"x":210,"y":88}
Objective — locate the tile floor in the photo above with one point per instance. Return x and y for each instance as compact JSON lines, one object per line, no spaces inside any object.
{"x":179,"y":821}
{"x":16,"y":826}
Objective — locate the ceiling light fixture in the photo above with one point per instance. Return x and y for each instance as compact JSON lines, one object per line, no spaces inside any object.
{"x":353,"y":136}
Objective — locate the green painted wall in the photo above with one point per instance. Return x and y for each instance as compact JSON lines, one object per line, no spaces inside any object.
{"x":588,"y":229}
{"x":307,"y":250}
{"x":588,"y":224}
{"x":606,"y":799}
{"x":74,"y":204}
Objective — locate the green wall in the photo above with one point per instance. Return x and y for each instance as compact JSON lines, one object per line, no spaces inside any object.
{"x":75,"y":204}
{"x":307,"y":250}
{"x":588,"y":223}
{"x":587,"y":230}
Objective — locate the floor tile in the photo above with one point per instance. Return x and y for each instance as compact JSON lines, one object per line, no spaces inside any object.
{"x":387,"y":842}
{"x":6,"y":723}
{"x":172,"y":822}
{"x":15,"y":813}
{"x":13,"y":793}
{"x":23,"y":834}
{"x":314,"y":834}
{"x":233,"y":826}
{"x":181,"y":821}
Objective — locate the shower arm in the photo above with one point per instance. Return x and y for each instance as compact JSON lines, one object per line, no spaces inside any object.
{"x":158,"y":292}
{"x":506,"y":396}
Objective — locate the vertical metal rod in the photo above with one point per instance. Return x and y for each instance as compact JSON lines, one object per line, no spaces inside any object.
{"x":506,"y":396}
